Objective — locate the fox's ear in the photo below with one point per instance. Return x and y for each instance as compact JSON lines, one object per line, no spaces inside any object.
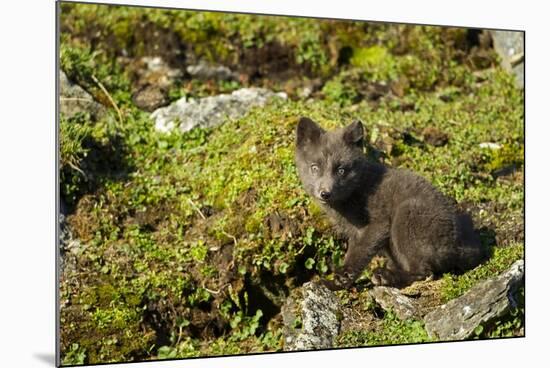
{"x":354,"y":133}
{"x":307,"y":132}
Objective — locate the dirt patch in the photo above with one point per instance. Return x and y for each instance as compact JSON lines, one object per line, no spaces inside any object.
{"x":435,"y":137}
{"x":426,"y":294}
{"x":280,"y":225}
{"x":358,"y":312}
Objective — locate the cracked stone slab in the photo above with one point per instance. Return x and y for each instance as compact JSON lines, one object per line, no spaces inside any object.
{"x":310,"y":317}
{"x":391,"y":298}
{"x":488,"y":300}
{"x":186,"y":114}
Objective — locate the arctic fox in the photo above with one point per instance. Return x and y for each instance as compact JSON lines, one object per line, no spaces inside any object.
{"x":382,"y":211}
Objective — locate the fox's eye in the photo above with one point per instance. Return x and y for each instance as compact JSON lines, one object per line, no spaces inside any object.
{"x":314,"y":169}
{"x":341,"y":171}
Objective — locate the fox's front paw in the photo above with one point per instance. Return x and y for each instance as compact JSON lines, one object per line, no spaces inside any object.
{"x":378,"y":279}
{"x":331,"y":285}
{"x":340,"y":282}
{"x":382,"y":277}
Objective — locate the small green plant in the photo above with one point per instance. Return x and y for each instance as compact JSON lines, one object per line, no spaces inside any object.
{"x":245,"y":326}
{"x":185,"y":349}
{"x":75,"y":356}
{"x":340,"y":92}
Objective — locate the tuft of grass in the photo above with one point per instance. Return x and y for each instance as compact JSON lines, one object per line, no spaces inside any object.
{"x":82,"y":64}
{"x":72,"y":152}
{"x":391,"y":330}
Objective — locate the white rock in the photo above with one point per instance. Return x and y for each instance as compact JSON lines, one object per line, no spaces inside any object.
{"x":490,"y":145}
{"x":212,"y":111}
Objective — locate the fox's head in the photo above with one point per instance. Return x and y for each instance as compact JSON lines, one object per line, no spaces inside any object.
{"x":329,"y":162}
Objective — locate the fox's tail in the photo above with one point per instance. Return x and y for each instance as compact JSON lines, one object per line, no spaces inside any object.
{"x":471,"y":251}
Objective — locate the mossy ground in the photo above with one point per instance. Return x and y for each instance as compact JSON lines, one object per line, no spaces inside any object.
{"x":191,"y":241}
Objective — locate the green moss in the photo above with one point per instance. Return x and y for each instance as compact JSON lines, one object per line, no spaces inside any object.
{"x":391,"y":331}
{"x":377,"y":62}
{"x":218,"y":168}
{"x":508,"y":155}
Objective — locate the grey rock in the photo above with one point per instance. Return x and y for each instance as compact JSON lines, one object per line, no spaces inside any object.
{"x":186,"y":114}
{"x":157,"y":64}
{"x":69,"y":247}
{"x":153,"y":79}
{"x":490,"y":145}
{"x":509,"y":45}
{"x":73,"y":99}
{"x":491,"y":299}
{"x":207,"y":71}
{"x":310,"y":317}
{"x":150,"y":98}
{"x":391,"y":299}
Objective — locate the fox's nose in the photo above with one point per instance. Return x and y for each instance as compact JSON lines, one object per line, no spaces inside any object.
{"x":325,"y":195}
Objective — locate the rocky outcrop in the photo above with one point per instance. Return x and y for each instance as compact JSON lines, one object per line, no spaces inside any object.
{"x":310,"y":317}
{"x":186,"y":114}
{"x":485,"y":302}
{"x":73,"y":99}
{"x":509,"y":46}
{"x":391,"y":299}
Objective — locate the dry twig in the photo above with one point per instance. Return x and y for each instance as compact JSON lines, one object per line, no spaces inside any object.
{"x":115,"y":106}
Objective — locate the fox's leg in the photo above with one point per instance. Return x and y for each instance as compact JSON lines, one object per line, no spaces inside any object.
{"x":395,"y":277}
{"x":360,"y":251}
{"x":391,"y":274}
{"x":416,"y":231}
{"x":386,"y":275}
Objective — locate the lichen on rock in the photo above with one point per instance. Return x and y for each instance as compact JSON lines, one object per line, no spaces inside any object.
{"x":310,"y":317}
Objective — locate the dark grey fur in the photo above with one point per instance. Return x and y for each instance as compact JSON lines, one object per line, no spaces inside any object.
{"x":381,"y":210}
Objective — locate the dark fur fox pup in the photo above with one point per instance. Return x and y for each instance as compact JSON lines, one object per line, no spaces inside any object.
{"x":382,"y":211}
